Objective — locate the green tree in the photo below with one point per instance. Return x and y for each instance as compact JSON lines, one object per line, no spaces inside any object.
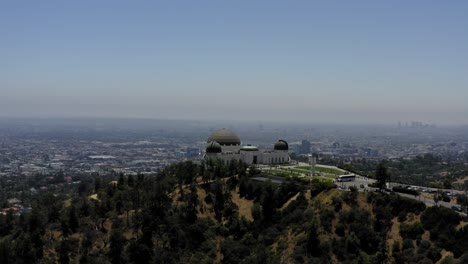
{"x":121,"y":181}
{"x":130,"y":181}
{"x":63,"y":251}
{"x":381,"y":175}
{"x":6,"y":251}
{"x":117,"y":243}
{"x":83,"y":188}
{"x":313,"y":241}
{"x":138,"y":253}
{"x":257,"y":213}
{"x":191,"y":204}
{"x":219,"y":199}
{"x":268,"y":201}
{"x":73,"y":222}
{"x":97,"y":184}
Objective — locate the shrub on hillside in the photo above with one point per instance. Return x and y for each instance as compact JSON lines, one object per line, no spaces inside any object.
{"x":412,"y":231}
{"x":317,"y":186}
{"x":442,"y":223}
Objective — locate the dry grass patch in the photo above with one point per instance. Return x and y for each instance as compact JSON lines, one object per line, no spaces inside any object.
{"x":244,"y":205}
{"x":286,"y":204}
{"x":362,"y":202}
{"x":412,"y":218}
{"x":427,"y":195}
{"x":129,"y":234}
{"x":444,"y":254}
{"x":176,"y":195}
{"x":94,"y":197}
{"x":461,"y":225}
{"x":346,"y":207}
{"x":67,"y":203}
{"x":204,"y":210}
{"x":219,"y":256}
{"x":426,"y":235}
{"x":55,"y":235}
{"x":394,"y":235}
{"x":308,"y":197}
{"x":290,"y":239}
{"x":462,"y":180}
{"x":325,"y":198}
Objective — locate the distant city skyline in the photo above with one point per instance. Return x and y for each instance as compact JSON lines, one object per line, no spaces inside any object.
{"x":329,"y":61}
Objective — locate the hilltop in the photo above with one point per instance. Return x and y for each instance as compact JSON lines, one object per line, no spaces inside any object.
{"x":211,"y":213}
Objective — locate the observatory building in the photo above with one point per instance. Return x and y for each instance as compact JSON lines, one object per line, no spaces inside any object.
{"x":225,"y":145}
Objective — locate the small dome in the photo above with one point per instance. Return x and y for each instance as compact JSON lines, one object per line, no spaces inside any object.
{"x":213,"y":147}
{"x":281,"y":145}
{"x":224,"y":137}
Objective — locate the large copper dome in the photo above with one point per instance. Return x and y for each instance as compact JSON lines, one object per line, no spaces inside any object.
{"x":224,"y":137}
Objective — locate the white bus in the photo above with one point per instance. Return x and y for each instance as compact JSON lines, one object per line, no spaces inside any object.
{"x":345,"y":178}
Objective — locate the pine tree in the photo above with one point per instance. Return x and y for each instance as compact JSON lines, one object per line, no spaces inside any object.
{"x":73,"y":222}
{"x":117,"y":243}
{"x":381,"y":175}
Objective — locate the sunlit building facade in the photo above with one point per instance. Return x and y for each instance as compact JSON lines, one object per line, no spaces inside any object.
{"x":225,"y":145}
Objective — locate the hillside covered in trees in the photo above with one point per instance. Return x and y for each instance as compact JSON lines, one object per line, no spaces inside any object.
{"x":211,"y":213}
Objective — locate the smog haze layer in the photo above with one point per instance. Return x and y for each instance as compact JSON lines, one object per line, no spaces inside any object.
{"x":330,"y":61}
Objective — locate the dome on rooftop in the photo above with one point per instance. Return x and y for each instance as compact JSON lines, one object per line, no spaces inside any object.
{"x":213,"y":147}
{"x":224,"y":137}
{"x":281,"y":145}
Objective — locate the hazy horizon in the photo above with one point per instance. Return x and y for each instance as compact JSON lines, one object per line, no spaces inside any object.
{"x":334,"y":62}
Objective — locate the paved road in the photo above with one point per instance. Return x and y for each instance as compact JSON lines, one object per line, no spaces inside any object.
{"x":320,"y":166}
{"x":427,"y":201}
{"x":430,"y":202}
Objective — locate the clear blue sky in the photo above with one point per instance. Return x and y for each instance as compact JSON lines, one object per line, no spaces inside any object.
{"x":341,"y":61}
